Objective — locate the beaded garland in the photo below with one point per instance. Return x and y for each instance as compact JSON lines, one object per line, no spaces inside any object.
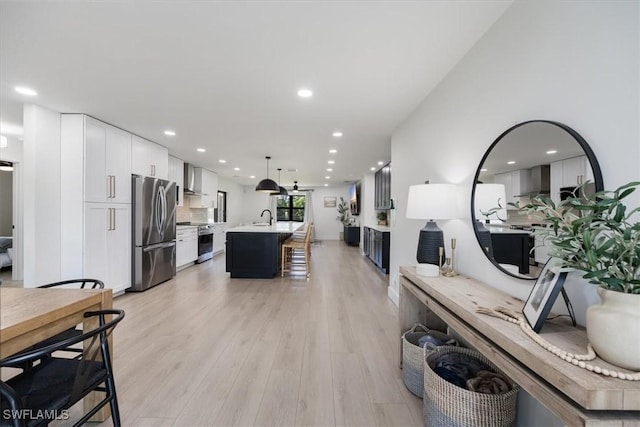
{"x":575,"y":359}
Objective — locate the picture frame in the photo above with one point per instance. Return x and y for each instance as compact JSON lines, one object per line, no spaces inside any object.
{"x":544,"y":294}
{"x":330,"y":202}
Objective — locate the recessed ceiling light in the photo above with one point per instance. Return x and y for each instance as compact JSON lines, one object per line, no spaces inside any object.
{"x":26,"y":91}
{"x":333,"y":151}
{"x":331,"y":162}
{"x":326,"y":185}
{"x":236,"y":169}
{"x":201,"y":150}
{"x":483,"y":170}
{"x":305,"y":93}
{"x":252,"y":177}
{"x":511,"y":162}
{"x":337,"y":134}
{"x":380,"y":163}
{"x":372,"y":168}
{"x":222,"y":161}
{"x":169,"y":133}
{"x":329,"y":170}
{"x":552,"y":151}
{"x":327,"y":177}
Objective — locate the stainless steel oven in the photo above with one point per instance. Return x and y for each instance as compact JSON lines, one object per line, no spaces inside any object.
{"x":205,"y":243}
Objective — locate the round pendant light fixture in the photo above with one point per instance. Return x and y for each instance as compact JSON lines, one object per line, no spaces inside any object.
{"x":283,"y":191}
{"x":268,"y":185}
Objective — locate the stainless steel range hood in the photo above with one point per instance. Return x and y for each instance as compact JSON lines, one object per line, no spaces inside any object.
{"x":190,"y":180}
{"x":540,"y":181}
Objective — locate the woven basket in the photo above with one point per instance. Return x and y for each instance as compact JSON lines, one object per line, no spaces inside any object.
{"x":447,"y":405}
{"x":413,"y":356}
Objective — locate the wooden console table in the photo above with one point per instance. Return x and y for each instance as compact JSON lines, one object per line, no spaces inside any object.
{"x":576,"y":396}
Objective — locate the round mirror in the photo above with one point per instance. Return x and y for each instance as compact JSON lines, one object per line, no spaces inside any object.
{"x":534,"y":157}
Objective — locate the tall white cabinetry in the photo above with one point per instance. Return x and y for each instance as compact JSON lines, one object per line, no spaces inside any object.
{"x":569,"y":173}
{"x":516,"y":183}
{"x":149,"y":158}
{"x":176,"y":174}
{"x":96,"y":201}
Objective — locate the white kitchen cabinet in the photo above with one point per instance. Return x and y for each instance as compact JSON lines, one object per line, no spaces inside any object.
{"x":219,"y":237}
{"x":573,"y":171}
{"x":106,"y":154}
{"x":107,"y":244}
{"x":541,"y":251}
{"x":555,"y":180}
{"x":176,"y":174}
{"x":186,"y":246}
{"x":206,"y":183}
{"x":149,"y":158}
{"x":516,"y":183}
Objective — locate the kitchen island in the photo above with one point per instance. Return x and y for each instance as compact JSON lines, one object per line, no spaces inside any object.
{"x":253,"y":251}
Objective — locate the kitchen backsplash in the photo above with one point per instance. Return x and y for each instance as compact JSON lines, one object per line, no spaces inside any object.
{"x":187,"y":214}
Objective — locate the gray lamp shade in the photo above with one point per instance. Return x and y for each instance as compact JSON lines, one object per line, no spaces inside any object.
{"x":268,"y":186}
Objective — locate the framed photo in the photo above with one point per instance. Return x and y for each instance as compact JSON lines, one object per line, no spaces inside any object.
{"x":544,"y":294}
{"x":330,"y":202}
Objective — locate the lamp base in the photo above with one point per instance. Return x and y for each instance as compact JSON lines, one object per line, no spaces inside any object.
{"x":431,"y":238}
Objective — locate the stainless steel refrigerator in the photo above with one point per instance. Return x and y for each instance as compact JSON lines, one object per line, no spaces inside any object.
{"x":154,"y":231}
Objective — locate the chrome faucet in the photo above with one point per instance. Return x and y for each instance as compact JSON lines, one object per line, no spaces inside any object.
{"x":270,"y":216}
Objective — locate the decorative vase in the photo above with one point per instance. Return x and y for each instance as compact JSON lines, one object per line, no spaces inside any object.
{"x":613,"y":328}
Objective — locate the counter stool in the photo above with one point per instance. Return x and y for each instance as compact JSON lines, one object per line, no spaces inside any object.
{"x":290,"y":246}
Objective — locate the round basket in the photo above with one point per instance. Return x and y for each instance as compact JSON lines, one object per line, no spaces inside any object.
{"x":447,"y":405}
{"x":413,"y":356}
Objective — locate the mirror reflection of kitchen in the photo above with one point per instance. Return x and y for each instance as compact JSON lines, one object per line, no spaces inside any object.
{"x":535,"y":158}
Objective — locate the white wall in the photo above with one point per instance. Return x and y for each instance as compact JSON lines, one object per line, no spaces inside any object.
{"x":6,"y":203}
{"x":573,"y":62}
{"x":41,"y":194}
{"x":326,"y":226}
{"x":253,"y":203}
{"x":235,"y":205}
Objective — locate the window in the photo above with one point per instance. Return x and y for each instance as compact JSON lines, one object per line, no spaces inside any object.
{"x":291,"y":208}
{"x":221,"y":210}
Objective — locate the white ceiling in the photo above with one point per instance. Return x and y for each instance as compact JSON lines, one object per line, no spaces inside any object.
{"x":224,"y":75}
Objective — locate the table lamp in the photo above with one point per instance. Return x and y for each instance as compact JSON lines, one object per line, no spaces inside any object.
{"x":431,"y":202}
{"x":489,"y":204}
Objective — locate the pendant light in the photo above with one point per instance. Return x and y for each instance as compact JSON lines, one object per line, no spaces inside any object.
{"x":283,"y":191}
{"x":268,"y":185}
{"x":295,"y":186}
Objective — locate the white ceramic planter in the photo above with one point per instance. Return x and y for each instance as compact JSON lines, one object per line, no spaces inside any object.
{"x":613,"y":328}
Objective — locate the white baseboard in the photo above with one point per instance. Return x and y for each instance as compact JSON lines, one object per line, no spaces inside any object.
{"x":393,"y":296}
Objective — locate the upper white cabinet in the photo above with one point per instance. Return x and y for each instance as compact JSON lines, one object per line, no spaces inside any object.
{"x":569,"y":173}
{"x":176,"y":174}
{"x":149,"y":158}
{"x":107,"y":158}
{"x":207,"y":185}
{"x":516,"y":183}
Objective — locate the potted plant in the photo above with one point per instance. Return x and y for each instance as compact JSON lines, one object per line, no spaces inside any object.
{"x":382,"y":217}
{"x":600,"y":236}
{"x":343,"y":212}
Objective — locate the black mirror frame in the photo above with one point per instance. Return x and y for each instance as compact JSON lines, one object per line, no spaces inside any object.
{"x":593,"y":161}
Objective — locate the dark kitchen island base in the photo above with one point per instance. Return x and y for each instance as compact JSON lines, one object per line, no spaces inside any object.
{"x":256,"y":254}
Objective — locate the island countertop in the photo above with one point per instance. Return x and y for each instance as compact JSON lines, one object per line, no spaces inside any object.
{"x":278,"y":227}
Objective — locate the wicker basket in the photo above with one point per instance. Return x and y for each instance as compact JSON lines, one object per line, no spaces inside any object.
{"x":413,"y":356}
{"x":448,"y":405}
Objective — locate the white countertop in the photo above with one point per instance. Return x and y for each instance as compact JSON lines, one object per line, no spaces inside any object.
{"x":183,"y":227}
{"x":383,"y":228}
{"x":278,"y":227}
{"x":505,"y":230}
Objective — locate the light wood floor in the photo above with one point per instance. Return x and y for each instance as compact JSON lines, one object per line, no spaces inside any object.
{"x":203,"y":349}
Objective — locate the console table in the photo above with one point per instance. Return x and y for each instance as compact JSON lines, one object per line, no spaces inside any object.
{"x":576,"y":396}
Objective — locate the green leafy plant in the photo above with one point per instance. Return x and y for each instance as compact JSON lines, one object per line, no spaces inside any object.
{"x":381,"y":215}
{"x":343,"y":211}
{"x":596,"y":234}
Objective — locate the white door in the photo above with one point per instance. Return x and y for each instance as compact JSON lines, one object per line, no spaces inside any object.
{"x":97,"y":219}
{"x":96,"y":183}
{"x":118,"y":159}
{"x":119,"y":248}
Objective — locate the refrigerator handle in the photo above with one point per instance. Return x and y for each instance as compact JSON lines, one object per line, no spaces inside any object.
{"x":158,"y":246}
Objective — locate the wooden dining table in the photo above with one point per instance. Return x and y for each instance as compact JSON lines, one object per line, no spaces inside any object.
{"x":29,"y":315}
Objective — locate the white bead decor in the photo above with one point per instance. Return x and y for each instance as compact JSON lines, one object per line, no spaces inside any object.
{"x":575,"y":359}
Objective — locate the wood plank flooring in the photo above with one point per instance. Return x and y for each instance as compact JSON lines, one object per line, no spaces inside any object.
{"x":206,"y":350}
